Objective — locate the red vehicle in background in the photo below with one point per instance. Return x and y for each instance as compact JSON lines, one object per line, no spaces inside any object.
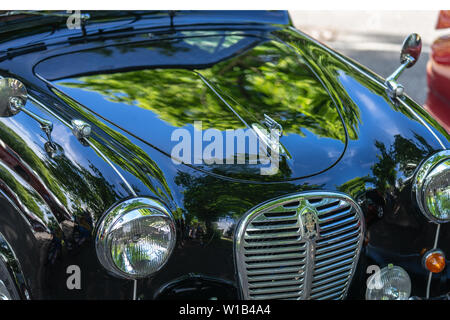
{"x":438,"y":74}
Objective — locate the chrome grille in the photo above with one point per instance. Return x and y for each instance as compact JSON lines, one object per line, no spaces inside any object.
{"x":280,"y":254}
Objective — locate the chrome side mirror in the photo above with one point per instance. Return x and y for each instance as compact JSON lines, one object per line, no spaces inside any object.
{"x":13,"y":97}
{"x":412,"y":46}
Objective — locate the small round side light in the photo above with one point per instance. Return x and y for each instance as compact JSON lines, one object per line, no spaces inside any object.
{"x":434,"y":261}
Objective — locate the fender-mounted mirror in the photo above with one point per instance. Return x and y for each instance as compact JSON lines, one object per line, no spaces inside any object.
{"x":13,"y":95}
{"x":412,"y":46}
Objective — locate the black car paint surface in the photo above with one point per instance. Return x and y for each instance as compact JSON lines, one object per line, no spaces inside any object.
{"x":343,"y":133}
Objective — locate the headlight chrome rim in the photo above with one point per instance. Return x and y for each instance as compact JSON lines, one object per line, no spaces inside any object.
{"x":424,"y":177}
{"x":113,"y":219}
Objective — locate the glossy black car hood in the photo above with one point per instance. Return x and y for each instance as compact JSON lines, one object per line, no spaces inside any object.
{"x":222,"y":81}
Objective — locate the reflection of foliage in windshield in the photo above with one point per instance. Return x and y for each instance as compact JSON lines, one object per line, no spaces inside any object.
{"x":266,"y":79}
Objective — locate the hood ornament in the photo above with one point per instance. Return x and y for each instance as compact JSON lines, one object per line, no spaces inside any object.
{"x":270,"y":133}
{"x":272,"y":125}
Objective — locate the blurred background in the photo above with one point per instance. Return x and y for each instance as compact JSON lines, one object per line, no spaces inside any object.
{"x":374,"y":39}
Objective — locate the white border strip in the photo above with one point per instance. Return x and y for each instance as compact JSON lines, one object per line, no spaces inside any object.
{"x":349,"y":5}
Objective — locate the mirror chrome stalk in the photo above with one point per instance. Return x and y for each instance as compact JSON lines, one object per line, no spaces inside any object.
{"x":410,"y":53}
{"x":394,"y":88}
{"x":46,"y":125}
{"x":13,"y":94}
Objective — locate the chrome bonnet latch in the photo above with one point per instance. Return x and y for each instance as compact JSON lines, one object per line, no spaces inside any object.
{"x":410,"y":53}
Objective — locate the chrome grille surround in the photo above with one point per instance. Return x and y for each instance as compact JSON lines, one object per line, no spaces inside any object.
{"x":281,"y":253}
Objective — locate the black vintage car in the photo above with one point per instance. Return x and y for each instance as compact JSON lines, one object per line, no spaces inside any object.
{"x":128,"y":166}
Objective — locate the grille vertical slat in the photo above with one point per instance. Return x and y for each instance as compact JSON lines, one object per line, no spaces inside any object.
{"x":281,"y":289}
{"x":337,"y":238}
{"x":273,"y":242}
{"x":345,"y":228}
{"x":282,"y":255}
{"x":325,"y":248}
{"x":265,"y":284}
{"x":274,"y":270}
{"x":326,"y":218}
{"x":280,"y":234}
{"x":336,"y":252}
{"x":329,"y":282}
{"x":287,"y":248}
{"x":273,"y":277}
{"x":335,"y":207}
{"x":334,"y":259}
{"x":279,"y":264}
{"x":338,"y":223}
{"x":273,"y":227}
{"x":273,"y":296}
{"x":329,"y":274}
{"x":336,"y":290}
{"x":275,"y":257}
{"x":334,"y":265}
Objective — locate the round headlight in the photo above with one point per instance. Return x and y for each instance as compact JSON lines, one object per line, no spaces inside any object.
{"x":432,"y":187}
{"x":135,"y":238}
{"x":389,"y":283}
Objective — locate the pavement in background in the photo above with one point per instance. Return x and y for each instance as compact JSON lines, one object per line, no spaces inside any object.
{"x":374,"y":39}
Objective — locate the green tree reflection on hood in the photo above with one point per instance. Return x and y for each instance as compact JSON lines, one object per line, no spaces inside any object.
{"x":268,"y":78}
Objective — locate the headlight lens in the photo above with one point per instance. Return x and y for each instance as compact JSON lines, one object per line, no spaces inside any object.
{"x":135,"y":238}
{"x":437,"y":191}
{"x":390,"y":283}
{"x":432,"y":187}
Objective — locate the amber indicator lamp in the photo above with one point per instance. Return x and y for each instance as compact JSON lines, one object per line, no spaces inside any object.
{"x":434,"y":261}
